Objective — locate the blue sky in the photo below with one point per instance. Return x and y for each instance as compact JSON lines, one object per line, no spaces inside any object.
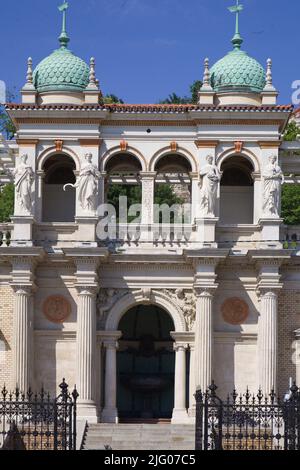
{"x":146,"y":49}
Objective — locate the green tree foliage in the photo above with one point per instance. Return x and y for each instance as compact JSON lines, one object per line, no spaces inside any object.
{"x":164,"y":194}
{"x":6,"y":202}
{"x":291,"y":132}
{"x":111,"y":99}
{"x":195,"y":88}
{"x":290,"y":210}
{"x":173,"y":98}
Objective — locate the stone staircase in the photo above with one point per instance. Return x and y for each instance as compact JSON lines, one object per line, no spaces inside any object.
{"x":139,"y":437}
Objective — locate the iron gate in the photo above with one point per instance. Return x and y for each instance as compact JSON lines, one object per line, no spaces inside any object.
{"x":36,"y":421}
{"x":247,"y":421}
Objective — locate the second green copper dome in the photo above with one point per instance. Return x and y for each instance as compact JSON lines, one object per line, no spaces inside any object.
{"x":61,"y":71}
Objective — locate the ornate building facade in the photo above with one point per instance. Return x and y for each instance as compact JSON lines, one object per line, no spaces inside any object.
{"x":140,"y":319}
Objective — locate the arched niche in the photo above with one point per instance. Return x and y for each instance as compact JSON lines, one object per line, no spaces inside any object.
{"x":58,"y":205}
{"x":237,"y":191}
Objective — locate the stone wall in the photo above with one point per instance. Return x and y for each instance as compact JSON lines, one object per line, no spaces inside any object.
{"x":6,"y":336}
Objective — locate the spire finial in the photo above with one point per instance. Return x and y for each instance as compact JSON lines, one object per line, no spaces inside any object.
{"x":92,"y":77}
{"x":206,"y":75}
{"x":269,"y":76}
{"x":64,"y":38}
{"x":29,"y":75}
{"x":237,"y":39}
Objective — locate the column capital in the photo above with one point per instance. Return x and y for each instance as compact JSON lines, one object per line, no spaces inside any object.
{"x":268,"y":291}
{"x":180,"y":347}
{"x":205,"y":291}
{"x":110,"y":339}
{"x":86,"y":290}
{"x":20,"y":289}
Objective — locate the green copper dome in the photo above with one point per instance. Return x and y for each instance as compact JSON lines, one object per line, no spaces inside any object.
{"x":238,"y":72}
{"x":61,"y":70}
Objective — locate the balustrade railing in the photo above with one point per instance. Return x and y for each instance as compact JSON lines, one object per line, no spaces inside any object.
{"x":5,"y":234}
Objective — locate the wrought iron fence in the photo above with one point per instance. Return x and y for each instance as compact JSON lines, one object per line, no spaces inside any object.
{"x":36,"y":421}
{"x":247,"y":421}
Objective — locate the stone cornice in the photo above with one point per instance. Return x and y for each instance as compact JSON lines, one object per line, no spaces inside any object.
{"x":270,"y":144}
{"x":206,"y":256}
{"x":27,"y":142}
{"x":234,"y":337}
{"x":86,"y":255}
{"x":96,"y":142}
{"x":184,"y":338}
{"x":212,"y":144}
{"x":56,"y":335}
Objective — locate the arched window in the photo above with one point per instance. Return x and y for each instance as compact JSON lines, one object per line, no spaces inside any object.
{"x":173,"y":183}
{"x":59,"y":205}
{"x":123,"y":180}
{"x":237,"y":192}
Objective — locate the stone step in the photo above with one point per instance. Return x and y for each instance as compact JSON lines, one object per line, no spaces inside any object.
{"x":140,"y":437}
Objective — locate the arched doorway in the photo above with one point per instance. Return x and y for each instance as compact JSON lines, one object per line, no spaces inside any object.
{"x":145,"y":365}
{"x":58,"y":205}
{"x":237,"y":192}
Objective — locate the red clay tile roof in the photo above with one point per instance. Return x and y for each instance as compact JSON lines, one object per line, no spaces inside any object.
{"x":149,"y":108}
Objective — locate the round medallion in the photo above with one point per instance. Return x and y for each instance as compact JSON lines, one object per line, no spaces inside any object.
{"x":56,"y":308}
{"x":235,"y":311}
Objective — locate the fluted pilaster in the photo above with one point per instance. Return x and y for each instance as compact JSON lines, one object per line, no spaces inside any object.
{"x":204,"y":339}
{"x":23,"y":340}
{"x":86,"y":352}
{"x":268,"y":341}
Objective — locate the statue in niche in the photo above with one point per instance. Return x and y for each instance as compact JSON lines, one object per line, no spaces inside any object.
{"x":273,"y":178}
{"x":210,"y":179}
{"x":87,"y":184}
{"x":23,"y":178}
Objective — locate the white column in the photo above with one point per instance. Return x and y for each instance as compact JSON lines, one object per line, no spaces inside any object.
{"x":195,"y":196}
{"x":86,"y":354}
{"x":110,"y":412}
{"x":23,"y":338}
{"x":40,"y":174}
{"x":192,"y":384}
{"x":203,"y":340}
{"x":180,"y":412}
{"x":148,"y":184}
{"x":268,"y":342}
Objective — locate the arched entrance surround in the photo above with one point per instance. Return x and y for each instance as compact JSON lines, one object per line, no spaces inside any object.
{"x":122,"y":306}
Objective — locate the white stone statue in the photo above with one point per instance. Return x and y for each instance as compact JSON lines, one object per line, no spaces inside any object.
{"x":273,"y":178}
{"x":23,"y":178}
{"x":87,"y":184}
{"x":210,"y":179}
